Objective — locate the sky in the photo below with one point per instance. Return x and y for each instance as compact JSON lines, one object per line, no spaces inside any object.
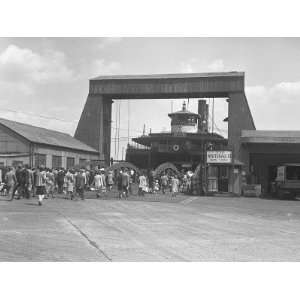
{"x":44,"y":81}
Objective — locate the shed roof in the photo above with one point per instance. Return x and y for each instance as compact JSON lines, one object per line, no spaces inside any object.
{"x":41,"y":135}
{"x":271,"y":136}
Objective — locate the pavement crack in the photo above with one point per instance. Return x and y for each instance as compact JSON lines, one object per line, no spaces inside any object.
{"x":91,"y":242}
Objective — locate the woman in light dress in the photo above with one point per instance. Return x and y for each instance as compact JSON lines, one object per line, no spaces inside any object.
{"x":70,"y":179}
{"x":143,"y":188}
{"x":50,"y":183}
{"x":174,"y":186}
{"x":98,"y":183}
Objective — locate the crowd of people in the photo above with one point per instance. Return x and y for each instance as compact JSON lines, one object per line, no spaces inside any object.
{"x":42,"y":182}
{"x":26,"y":182}
{"x":166,"y":181}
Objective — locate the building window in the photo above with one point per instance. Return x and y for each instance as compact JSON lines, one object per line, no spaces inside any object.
{"x":70,"y":162}
{"x":56,"y":161}
{"x":82,"y":162}
{"x":40,"y":160}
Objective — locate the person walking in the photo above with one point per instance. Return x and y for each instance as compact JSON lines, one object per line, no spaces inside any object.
{"x":50,"y":181}
{"x":98,"y":183}
{"x":70,"y":184}
{"x":103,"y":188}
{"x":40,"y":184}
{"x":30,"y":185}
{"x":119,"y":184}
{"x":131,"y":174}
{"x":142,"y":185}
{"x":17,"y":186}
{"x":26,"y":182}
{"x":110,"y":180}
{"x":60,"y":180}
{"x":151,"y":181}
{"x":80,"y":184}
{"x":10,"y":181}
{"x":125,"y":183}
{"x":164,"y":182}
{"x":174,"y":186}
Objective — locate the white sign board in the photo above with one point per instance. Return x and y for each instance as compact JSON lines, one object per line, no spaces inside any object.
{"x":219,"y":157}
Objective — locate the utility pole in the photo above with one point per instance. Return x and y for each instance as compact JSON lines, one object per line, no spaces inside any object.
{"x":119,"y":122}
{"x":213,"y":116}
{"x":128,"y":125}
{"x":116,"y":129}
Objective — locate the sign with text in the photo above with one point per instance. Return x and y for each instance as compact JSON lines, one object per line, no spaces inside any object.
{"x":219,"y":157}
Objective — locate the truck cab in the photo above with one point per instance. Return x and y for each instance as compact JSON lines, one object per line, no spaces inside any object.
{"x":287,"y":181}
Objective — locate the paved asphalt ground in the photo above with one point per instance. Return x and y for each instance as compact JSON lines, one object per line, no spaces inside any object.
{"x":153,"y":228}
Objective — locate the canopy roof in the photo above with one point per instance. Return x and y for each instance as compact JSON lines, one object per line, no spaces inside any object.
{"x":146,"y":140}
{"x":270,"y":136}
{"x":168,"y":76}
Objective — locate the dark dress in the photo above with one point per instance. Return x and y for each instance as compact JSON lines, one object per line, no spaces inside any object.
{"x":119,"y":182}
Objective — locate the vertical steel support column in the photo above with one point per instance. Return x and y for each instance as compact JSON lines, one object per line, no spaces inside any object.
{"x":106,"y":142}
{"x":90,"y":129}
{"x":239,"y":118}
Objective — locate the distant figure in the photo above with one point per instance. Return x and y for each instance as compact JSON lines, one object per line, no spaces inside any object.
{"x":30,"y":185}
{"x":119,"y":184}
{"x":80,"y":184}
{"x":11,"y":181}
{"x":155,"y":186}
{"x":131,"y":175}
{"x":189,"y":182}
{"x":70,"y":184}
{"x":50,"y":181}
{"x":110,"y":180}
{"x":98,"y":183}
{"x":40,"y":182}
{"x":174,"y":186}
{"x":103,"y":177}
{"x":164,"y":182}
{"x":142,"y":185}
{"x":60,"y":180}
{"x":125,"y":182}
{"x":26,"y":181}
{"x":19,"y":186}
{"x":151,"y":181}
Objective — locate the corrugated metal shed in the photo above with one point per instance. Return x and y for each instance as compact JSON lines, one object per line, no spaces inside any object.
{"x":45,"y":136}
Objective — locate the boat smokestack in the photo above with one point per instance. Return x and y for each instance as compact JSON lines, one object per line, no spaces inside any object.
{"x":203,"y":116}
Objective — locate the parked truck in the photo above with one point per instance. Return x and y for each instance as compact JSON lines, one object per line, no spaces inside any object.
{"x":287,"y":181}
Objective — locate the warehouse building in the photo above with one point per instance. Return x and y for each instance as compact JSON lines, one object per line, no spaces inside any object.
{"x":25,"y":144}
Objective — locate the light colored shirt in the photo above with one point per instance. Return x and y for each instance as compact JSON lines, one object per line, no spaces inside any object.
{"x":98,"y":181}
